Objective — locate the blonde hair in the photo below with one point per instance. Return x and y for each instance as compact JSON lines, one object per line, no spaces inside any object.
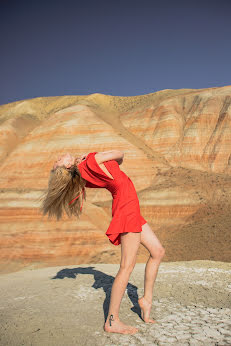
{"x":63,"y":185}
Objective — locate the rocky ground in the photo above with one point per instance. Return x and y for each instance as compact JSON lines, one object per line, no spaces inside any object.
{"x":67,"y":305}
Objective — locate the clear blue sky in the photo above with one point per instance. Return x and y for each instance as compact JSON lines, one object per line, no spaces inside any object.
{"x":114,"y":47}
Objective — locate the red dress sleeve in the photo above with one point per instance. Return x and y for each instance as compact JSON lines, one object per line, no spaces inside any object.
{"x":92,"y":173}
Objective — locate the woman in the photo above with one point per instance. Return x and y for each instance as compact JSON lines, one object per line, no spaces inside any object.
{"x":68,"y":180}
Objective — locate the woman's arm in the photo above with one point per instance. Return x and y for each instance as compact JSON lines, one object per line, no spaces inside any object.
{"x":103,"y":156}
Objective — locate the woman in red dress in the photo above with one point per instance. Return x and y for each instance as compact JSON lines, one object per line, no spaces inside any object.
{"x":68,"y":180}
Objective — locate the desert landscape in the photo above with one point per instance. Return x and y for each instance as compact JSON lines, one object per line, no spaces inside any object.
{"x":177,"y":151}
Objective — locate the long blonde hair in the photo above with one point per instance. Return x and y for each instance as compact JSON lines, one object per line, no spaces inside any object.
{"x":64,"y":184}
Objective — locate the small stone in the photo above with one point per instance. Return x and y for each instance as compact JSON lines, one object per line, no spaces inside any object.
{"x":183,"y":336}
{"x":200,"y":337}
{"x":164,"y":338}
{"x":227,"y":341}
{"x":211,"y":332}
{"x":222,"y":330}
{"x":194,"y":343}
{"x":222,"y":324}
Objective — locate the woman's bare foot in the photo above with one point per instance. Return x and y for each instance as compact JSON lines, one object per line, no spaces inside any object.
{"x":145,"y":308}
{"x":116,"y":326}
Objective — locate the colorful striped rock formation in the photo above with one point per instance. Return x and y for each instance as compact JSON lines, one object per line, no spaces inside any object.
{"x":177,"y":151}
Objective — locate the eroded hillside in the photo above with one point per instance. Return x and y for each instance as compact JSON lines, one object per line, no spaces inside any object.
{"x":177,"y":151}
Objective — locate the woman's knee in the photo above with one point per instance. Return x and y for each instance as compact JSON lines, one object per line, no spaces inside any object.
{"x":158,"y":253}
{"x":150,"y":241}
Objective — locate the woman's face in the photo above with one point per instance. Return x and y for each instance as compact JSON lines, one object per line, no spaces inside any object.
{"x":65,"y":160}
{"x":68,"y":160}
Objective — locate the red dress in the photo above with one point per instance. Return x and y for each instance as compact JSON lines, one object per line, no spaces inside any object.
{"x":126,"y":216}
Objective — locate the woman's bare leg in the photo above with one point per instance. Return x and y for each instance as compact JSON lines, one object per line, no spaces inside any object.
{"x":129,"y":246}
{"x":153,"y":245}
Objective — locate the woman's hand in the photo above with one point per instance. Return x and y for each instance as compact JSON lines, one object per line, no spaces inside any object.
{"x":120,"y":161}
{"x":83,"y":157}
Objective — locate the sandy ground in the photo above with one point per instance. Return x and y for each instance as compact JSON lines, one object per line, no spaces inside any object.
{"x":67,"y":305}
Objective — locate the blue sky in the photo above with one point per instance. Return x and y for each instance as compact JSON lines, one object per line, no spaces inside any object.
{"x":120,"y":48}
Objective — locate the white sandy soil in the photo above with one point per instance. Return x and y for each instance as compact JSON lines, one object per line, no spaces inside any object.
{"x":67,"y":305}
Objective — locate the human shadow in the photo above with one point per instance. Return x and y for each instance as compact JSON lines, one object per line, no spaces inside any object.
{"x":104,"y":281}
